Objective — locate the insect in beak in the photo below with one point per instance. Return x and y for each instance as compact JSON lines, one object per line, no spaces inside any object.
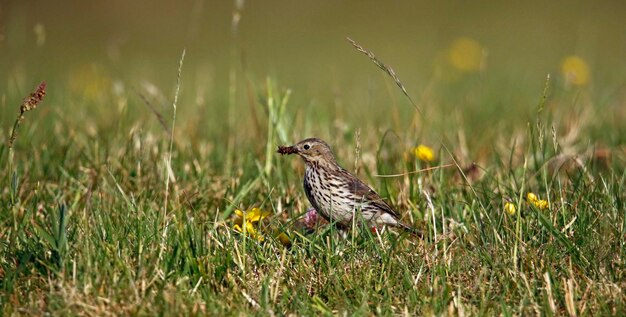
{"x":287,"y":149}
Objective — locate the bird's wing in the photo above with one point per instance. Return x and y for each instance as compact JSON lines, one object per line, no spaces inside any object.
{"x":360,"y":189}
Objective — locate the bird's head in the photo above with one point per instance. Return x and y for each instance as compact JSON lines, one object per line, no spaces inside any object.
{"x":311,"y":150}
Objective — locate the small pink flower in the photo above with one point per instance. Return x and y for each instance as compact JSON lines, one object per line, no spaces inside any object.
{"x":311,"y":218}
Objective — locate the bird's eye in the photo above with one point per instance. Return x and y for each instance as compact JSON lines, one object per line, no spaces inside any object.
{"x":306,"y":146}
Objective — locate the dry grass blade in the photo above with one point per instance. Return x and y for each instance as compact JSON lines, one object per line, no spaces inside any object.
{"x":385,"y":68}
{"x":156,"y":113}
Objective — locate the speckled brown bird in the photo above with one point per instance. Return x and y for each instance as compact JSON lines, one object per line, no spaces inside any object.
{"x":337,"y":194}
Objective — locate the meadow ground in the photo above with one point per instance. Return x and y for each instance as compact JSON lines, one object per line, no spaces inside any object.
{"x":125,"y":193}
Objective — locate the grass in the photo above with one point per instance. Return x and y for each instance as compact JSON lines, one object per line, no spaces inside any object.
{"x":87,"y":234}
{"x":116,"y":213}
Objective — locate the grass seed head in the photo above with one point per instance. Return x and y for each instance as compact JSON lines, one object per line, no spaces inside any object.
{"x":28,"y":104}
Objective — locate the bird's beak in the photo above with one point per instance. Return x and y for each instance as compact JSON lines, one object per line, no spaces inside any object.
{"x":287,"y":149}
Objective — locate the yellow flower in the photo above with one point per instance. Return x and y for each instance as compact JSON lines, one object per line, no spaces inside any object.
{"x":542,"y":204}
{"x":575,"y":71}
{"x":509,"y":208}
{"x":466,"y":55}
{"x":251,"y":218}
{"x":539,"y":203}
{"x":424,"y":153}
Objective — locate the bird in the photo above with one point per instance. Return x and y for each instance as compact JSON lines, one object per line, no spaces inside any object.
{"x":336,"y":194}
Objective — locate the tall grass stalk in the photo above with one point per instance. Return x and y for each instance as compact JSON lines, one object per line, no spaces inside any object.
{"x":29,"y":103}
{"x":169,"y":172}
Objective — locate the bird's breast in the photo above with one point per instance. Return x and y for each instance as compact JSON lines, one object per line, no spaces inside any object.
{"x":329,"y":195}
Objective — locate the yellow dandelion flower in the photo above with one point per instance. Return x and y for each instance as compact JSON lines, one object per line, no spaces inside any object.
{"x":424,"y":153}
{"x":541,"y":204}
{"x":252,"y":218}
{"x":257,"y":214}
{"x":250,"y":230}
{"x":466,"y":54}
{"x":509,"y":208}
{"x":575,"y":70}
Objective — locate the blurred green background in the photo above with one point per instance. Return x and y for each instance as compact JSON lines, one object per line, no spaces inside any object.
{"x":88,"y":51}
